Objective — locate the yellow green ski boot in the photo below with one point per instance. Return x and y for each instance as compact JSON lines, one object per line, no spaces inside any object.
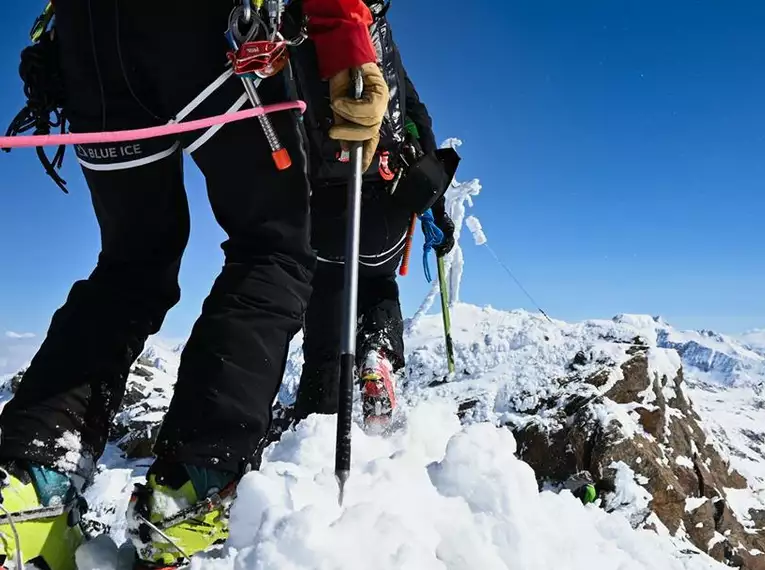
{"x":39,"y":519}
{"x":181,"y":511}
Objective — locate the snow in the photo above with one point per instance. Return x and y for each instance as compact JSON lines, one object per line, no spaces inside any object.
{"x":163,"y":354}
{"x":725,"y":359}
{"x":435,"y":496}
{"x":733,"y":418}
{"x":101,"y":553}
{"x":716,"y":539}
{"x":630,"y":498}
{"x":476,"y":229}
{"x":71,"y":445}
{"x":664,"y":365}
{"x":693,"y":503}
{"x":439,"y":493}
{"x":684,"y":461}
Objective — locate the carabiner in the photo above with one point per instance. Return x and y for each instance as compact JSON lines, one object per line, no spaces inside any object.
{"x":246,"y":11}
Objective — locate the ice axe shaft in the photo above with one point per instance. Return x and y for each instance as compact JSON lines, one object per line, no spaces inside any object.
{"x":350,"y":303}
{"x":445,"y":313}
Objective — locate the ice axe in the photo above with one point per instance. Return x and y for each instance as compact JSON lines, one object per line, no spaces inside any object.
{"x":445,"y":313}
{"x":350,"y":303}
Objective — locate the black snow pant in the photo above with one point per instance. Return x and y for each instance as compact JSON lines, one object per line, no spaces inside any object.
{"x":131,"y":64}
{"x":381,"y":327}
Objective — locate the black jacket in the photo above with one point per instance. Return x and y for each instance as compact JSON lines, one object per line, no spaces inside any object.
{"x":325,"y":168}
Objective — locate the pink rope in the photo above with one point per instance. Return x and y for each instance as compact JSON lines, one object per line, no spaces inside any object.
{"x":147,"y":133}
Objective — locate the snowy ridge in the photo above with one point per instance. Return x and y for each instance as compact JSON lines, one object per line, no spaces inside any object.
{"x":731,"y":362}
{"x":440,"y":492}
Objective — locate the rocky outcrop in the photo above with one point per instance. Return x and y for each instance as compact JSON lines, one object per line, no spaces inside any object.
{"x":147,"y":396}
{"x":636,"y":414}
{"x":15,"y":381}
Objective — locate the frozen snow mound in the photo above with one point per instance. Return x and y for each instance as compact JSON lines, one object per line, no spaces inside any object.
{"x":435,"y":496}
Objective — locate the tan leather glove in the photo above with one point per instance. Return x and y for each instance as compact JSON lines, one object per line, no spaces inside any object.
{"x":359,"y":120}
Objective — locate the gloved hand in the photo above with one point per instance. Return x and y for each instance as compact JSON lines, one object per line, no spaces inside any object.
{"x":359,"y":120}
{"x":446,"y":225}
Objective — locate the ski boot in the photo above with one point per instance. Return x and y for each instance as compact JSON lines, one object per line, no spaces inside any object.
{"x":378,"y":392}
{"x":181,"y":511}
{"x":40,"y":513}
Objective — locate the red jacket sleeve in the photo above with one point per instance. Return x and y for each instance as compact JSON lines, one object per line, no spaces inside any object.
{"x":340,"y":30}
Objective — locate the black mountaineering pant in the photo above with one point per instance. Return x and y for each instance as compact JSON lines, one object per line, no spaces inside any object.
{"x":131,"y":64}
{"x":381,"y":326}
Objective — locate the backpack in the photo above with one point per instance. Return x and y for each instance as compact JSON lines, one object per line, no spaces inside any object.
{"x":328,"y":165}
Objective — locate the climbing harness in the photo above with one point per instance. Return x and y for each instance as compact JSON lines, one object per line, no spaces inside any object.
{"x":251,"y":60}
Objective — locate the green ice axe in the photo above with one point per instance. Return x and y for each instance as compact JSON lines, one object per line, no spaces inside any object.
{"x":445,"y":313}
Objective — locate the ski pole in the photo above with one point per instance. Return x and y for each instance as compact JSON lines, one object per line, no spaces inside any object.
{"x":404,"y":270}
{"x":350,"y":302}
{"x":445,"y":312}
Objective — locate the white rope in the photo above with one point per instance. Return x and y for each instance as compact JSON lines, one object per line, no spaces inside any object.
{"x":19,"y":557}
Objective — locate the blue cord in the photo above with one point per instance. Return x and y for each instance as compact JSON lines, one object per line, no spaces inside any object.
{"x":433,"y":238}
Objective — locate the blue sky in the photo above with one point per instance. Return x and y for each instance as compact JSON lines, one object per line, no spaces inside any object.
{"x":620,"y":145}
